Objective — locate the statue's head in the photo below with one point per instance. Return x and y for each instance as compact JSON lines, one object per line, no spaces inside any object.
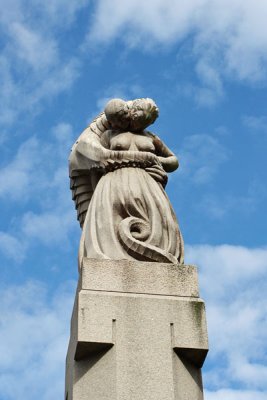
{"x":117,"y":114}
{"x":134,"y":115}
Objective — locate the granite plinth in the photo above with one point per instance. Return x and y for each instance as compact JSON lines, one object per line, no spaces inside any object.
{"x":138,"y":332}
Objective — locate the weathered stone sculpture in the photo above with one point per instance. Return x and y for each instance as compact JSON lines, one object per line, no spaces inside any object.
{"x":118,"y":173}
{"x":138,"y":329}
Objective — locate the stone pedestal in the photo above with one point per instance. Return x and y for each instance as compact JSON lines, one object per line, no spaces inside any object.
{"x":138,"y":332}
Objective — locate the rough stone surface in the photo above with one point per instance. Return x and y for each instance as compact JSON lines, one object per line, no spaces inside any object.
{"x":133,"y":277}
{"x":130,"y":339}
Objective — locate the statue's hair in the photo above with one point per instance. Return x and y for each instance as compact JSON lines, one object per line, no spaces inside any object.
{"x":149,"y":108}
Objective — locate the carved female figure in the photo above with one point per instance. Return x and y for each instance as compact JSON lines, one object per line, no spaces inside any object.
{"x":118,"y":172}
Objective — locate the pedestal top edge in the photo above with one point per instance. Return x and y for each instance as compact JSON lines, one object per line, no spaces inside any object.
{"x":139,"y":277}
{"x":127,"y":262}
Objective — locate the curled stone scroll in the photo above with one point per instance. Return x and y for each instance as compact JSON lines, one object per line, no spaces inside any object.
{"x":118,"y":173}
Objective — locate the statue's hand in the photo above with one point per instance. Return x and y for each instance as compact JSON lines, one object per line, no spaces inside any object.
{"x":158,"y":173}
{"x":145,"y":158}
{"x":169,"y":164}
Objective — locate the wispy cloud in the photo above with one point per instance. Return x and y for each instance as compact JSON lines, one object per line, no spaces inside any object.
{"x":12,"y":247}
{"x":124,"y":91}
{"x":229,"y":39}
{"x":235,"y":394}
{"x":255,"y":124}
{"x":32,"y":65}
{"x":19,"y":178}
{"x":209,"y":90}
{"x":32,"y":48}
{"x":38,"y":174}
{"x":34,"y":339}
{"x":201,"y":156}
{"x":223,"y":204}
{"x":50,"y":228}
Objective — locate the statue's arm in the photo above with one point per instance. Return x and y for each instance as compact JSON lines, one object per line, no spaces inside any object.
{"x":91,"y":147}
{"x":166,"y":157}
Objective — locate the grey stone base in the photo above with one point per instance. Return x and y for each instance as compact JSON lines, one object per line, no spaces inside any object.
{"x":138,"y":332}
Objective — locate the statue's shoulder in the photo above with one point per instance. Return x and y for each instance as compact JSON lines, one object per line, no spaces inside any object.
{"x":97,"y":127}
{"x":152,"y":135}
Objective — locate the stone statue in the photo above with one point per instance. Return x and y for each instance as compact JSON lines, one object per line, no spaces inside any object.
{"x":118,"y":173}
{"x":138,"y":327}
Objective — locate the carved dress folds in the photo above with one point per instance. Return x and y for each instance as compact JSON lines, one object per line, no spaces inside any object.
{"x":129,"y":215}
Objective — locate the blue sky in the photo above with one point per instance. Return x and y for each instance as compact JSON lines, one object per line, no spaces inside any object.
{"x":205,"y":64}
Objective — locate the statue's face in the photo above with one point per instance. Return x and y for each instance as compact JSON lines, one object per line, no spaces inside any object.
{"x":138,"y":120}
{"x":120,"y":123}
{"x":137,"y":115}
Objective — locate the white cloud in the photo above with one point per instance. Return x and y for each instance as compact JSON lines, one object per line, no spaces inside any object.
{"x":256,"y":124}
{"x":38,"y":174}
{"x":12,"y":247}
{"x":228,"y":266}
{"x":34,"y":333}
{"x":32,"y":65}
{"x":229,"y":38}
{"x":16,"y":178}
{"x":164,"y":20}
{"x":21,"y":94}
{"x":231,"y":394}
{"x":38,"y":166}
{"x":51,"y":228}
{"x":59,"y":12}
{"x":32,"y":48}
{"x":233,"y":280}
{"x":63,"y":133}
{"x":40,"y":13}
{"x":210,"y":90}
